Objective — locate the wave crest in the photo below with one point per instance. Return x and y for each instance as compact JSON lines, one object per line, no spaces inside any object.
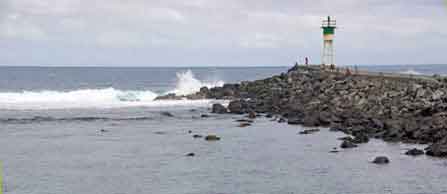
{"x":187,"y":84}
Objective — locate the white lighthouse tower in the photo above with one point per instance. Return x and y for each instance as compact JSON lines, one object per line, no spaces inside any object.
{"x":328,"y":26}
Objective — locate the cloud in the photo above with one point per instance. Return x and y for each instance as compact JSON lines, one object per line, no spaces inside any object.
{"x":232,"y":32}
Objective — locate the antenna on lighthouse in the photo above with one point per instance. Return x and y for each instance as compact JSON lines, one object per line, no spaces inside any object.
{"x":328,"y":26}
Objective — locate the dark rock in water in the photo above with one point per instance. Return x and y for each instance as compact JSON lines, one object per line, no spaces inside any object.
{"x":309,"y":131}
{"x":282,"y":120}
{"x":189,"y":131}
{"x":160,"y":132}
{"x":196,"y":136}
{"x":212,"y":138}
{"x":104,"y":131}
{"x":191,"y":154}
{"x":347,"y":144}
{"x":238,"y":107}
{"x":334,"y":150}
{"x":381,"y":160}
{"x":169,"y":97}
{"x":414,"y":152}
{"x":361,"y":138}
{"x":438,"y":149}
{"x":244,"y":121}
{"x":269,"y":115}
{"x":252,"y":115}
{"x":204,"y":116}
{"x":167,"y":114}
{"x":219,"y":109}
{"x":335,"y":129}
{"x":347,"y":138}
{"x":311,"y":121}
{"x":294,"y":121}
{"x":244,"y":124}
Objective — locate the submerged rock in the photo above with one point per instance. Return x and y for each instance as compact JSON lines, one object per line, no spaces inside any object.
{"x":309,"y":131}
{"x":334,"y":150}
{"x":244,"y":121}
{"x":244,"y":125}
{"x":197,"y":136}
{"x":204,"y":116}
{"x":191,"y":154}
{"x":414,"y":152}
{"x":212,"y":138}
{"x":167,"y":114}
{"x":381,"y":160}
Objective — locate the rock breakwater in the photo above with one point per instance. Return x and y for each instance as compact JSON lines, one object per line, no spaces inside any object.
{"x":392,"y":108}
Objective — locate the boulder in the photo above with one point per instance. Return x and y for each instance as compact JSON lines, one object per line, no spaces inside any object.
{"x":414,"y":152}
{"x":361,"y":138}
{"x":219,"y":109}
{"x":438,"y":149}
{"x":281,"y":120}
{"x":212,"y":138}
{"x":238,"y":107}
{"x":294,"y":121}
{"x":381,"y":160}
{"x":252,"y":115}
{"x":346,"y":144}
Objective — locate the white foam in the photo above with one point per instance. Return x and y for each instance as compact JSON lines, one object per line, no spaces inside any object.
{"x":104,"y":98}
{"x":188,"y":84}
{"x":411,"y":72}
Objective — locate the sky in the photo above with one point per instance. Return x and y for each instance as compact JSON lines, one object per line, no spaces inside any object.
{"x":219,"y":32}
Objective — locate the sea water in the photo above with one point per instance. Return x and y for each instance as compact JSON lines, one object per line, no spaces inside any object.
{"x":99,"y":130}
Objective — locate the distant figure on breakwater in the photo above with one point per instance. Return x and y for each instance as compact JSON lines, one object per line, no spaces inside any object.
{"x":348,"y":71}
{"x":306,"y":61}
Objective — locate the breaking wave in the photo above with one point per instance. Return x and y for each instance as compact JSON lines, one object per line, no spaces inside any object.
{"x":103,"y":97}
{"x":188,"y":84}
{"x":411,"y":72}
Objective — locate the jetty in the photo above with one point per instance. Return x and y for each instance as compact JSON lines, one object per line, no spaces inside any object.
{"x":389,"y":106}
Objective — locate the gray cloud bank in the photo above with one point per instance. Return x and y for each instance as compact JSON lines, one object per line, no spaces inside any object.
{"x":219,"y":32}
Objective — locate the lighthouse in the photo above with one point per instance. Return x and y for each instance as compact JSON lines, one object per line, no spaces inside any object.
{"x":328,"y":56}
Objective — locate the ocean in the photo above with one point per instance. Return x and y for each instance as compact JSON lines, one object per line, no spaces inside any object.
{"x":99,"y":130}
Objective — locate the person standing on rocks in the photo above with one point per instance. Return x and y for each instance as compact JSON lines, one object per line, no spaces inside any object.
{"x":306,"y":61}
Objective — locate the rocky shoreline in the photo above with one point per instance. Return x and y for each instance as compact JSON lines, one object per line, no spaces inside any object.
{"x":392,"y":108}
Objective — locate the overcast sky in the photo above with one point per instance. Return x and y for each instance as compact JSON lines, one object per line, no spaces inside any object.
{"x":219,"y":32}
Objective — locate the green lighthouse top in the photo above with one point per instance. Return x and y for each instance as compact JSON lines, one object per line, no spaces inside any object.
{"x":329,"y":26}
